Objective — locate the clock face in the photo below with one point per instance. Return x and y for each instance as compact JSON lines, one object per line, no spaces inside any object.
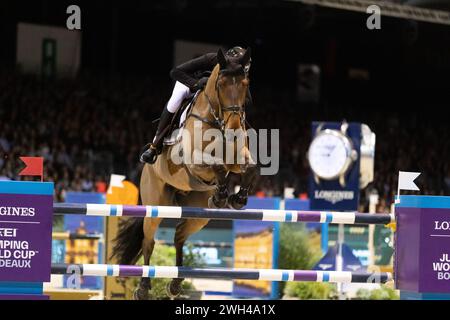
{"x":328,"y":155}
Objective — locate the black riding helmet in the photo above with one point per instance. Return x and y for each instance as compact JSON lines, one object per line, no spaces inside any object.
{"x":238,"y":52}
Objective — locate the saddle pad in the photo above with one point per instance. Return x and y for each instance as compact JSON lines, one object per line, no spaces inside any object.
{"x":176,"y":135}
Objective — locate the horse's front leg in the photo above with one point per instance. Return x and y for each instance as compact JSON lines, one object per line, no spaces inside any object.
{"x":219,"y":199}
{"x":239,"y":200}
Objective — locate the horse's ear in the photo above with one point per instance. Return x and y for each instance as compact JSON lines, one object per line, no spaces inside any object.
{"x":221,"y":59}
{"x":246,"y":58}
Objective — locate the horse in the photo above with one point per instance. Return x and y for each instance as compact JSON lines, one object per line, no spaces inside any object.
{"x":219,"y":106}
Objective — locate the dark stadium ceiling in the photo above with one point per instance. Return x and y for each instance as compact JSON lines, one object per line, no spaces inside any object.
{"x":432,"y":4}
{"x":434,"y":11}
{"x":183,"y":4}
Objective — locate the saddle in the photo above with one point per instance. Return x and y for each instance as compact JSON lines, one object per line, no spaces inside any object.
{"x":178,"y":121}
{"x":179,"y":118}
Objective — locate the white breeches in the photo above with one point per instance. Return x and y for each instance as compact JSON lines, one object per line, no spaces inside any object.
{"x":179,"y":93}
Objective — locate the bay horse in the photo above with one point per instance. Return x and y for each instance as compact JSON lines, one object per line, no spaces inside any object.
{"x":220,"y":106}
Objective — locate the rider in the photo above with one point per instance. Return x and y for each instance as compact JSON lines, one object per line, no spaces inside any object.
{"x":190,"y":77}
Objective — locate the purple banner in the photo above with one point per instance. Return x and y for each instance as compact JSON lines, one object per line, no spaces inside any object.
{"x":25,"y":235}
{"x":435,"y":257}
{"x":422,"y":250}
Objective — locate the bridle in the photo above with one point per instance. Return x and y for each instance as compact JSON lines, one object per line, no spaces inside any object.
{"x":219,"y":122}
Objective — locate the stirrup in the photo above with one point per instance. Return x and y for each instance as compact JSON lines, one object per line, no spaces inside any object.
{"x":149,"y":155}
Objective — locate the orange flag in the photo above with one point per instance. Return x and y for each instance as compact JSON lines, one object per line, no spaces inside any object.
{"x":127,"y":194}
{"x":34,"y":166}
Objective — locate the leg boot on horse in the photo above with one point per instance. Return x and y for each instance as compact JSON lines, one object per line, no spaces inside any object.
{"x":239,"y":200}
{"x":219,"y":199}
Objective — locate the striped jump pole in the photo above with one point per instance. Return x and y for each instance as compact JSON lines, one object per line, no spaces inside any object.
{"x":105,"y":270}
{"x":108,"y":210}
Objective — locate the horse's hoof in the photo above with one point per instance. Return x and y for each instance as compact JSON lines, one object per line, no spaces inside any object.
{"x":141,"y":294}
{"x":173,"y":290}
{"x":236,"y":202}
{"x":216,"y":204}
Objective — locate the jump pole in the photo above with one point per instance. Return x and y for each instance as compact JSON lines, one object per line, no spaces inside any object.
{"x":172,"y":212}
{"x":105,"y":270}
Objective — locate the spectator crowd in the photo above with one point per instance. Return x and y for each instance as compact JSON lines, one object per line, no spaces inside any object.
{"x":92,"y":126}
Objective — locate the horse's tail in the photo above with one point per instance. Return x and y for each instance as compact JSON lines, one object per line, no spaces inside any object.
{"x":128,"y":243}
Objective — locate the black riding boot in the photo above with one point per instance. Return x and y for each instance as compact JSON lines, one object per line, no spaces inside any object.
{"x":151,"y":154}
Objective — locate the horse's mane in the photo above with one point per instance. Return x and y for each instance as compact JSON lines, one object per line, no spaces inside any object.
{"x":210,"y":86}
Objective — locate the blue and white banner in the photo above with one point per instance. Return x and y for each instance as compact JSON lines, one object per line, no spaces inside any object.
{"x":330,"y":194}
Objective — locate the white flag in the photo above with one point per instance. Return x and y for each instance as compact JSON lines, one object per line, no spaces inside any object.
{"x":115,"y":181}
{"x":406,"y":182}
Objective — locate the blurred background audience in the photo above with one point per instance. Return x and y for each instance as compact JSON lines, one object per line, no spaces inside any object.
{"x":89,"y":127}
